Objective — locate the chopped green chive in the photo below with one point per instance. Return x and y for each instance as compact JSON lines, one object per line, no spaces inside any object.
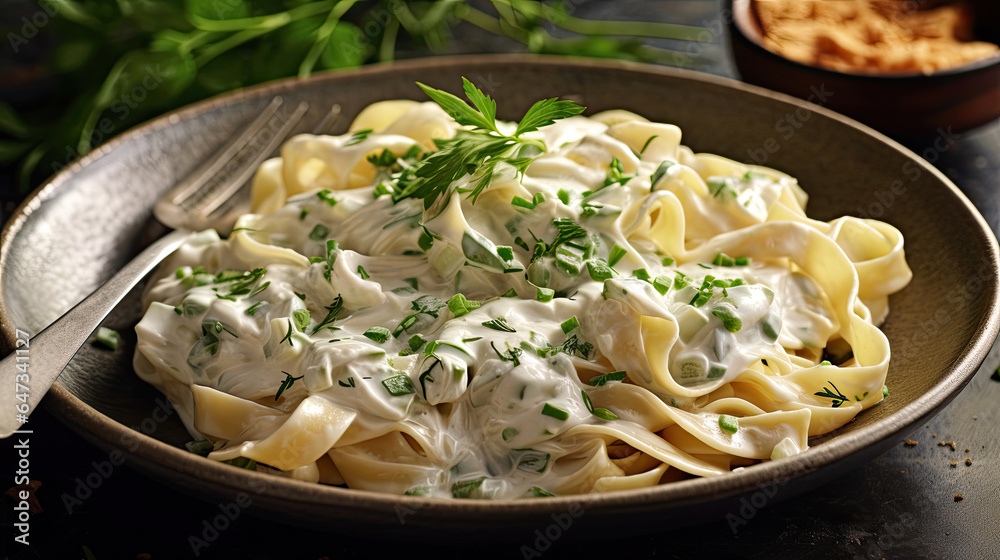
{"x":363,"y":273}
{"x":599,"y":270}
{"x":729,"y":319}
{"x":617,"y":253}
{"x":563,"y":195}
{"x":641,"y":274}
{"x":569,"y":324}
{"x":509,"y":433}
{"x":729,"y":423}
{"x":885,"y":391}
{"x":505,"y":252}
{"x":319,"y":232}
{"x":662,"y":284}
{"x":668,"y":261}
{"x":544,"y":295}
{"x":555,"y":412}
{"x":518,"y":201}
{"x":107,"y":338}
{"x":661,"y":170}
{"x":349,"y":383}
{"x":303,"y":214}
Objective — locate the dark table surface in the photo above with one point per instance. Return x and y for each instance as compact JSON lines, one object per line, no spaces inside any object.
{"x":903,"y":504}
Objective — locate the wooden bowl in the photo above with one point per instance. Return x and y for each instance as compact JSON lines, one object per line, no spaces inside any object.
{"x":901,"y":105}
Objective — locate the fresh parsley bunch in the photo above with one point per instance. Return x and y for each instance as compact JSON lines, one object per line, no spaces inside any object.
{"x":480,"y":150}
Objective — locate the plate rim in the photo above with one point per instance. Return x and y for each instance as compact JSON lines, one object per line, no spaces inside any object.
{"x":102,"y":430}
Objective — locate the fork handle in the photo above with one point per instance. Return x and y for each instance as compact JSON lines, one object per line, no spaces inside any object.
{"x":34,"y":365}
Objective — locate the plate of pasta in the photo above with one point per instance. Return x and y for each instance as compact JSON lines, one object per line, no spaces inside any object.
{"x":491,"y":296}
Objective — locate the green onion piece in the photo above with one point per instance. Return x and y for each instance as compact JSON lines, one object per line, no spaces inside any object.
{"x":679,"y":281}
{"x":426,"y":240}
{"x":505,"y":252}
{"x":668,"y":261}
{"x":510,"y":293}
{"x":520,"y":202}
{"x":107,"y":338}
{"x":411,"y":282}
{"x":769,"y":332}
{"x":538,"y":198}
{"x":509,"y":433}
{"x":319,"y":232}
{"x":416,"y":342}
{"x":662,"y":284}
{"x":544,"y":295}
{"x":599,"y":270}
{"x":617,"y":253}
{"x":570,"y":324}
{"x":378,"y":334}
{"x":301,"y":318}
{"x":729,"y":423}
{"x":555,"y":412}
{"x":466,"y":488}
{"x":541,"y":493}
{"x":641,"y":274}
{"x":729,"y":320}
{"x":602,"y":380}
{"x":885,"y":391}
{"x":741,"y":261}
{"x":303,"y":214}
{"x":363,"y":273}
{"x":398,"y":385}
{"x":722,"y":259}
{"x":417,"y":491}
{"x":563,"y":195}
{"x":604,"y":414}
{"x":461,"y":306}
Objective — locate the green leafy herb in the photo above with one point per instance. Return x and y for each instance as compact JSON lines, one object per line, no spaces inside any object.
{"x":541,"y":493}
{"x":349,"y":383}
{"x":617,"y":253}
{"x":358,"y":137}
{"x":378,"y":334}
{"x":602,"y":380}
{"x":478,"y":151}
{"x":467,"y":488}
{"x":286,"y":384}
{"x":835,"y":394}
{"x":602,"y":413}
{"x":499,"y":324}
{"x":332,"y":311}
{"x":460,"y":306}
{"x":730,"y":320}
{"x":319,"y":232}
{"x":252,"y":310}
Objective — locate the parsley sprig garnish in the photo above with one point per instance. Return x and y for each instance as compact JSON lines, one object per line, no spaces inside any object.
{"x":480,"y":150}
{"x":836,"y":395}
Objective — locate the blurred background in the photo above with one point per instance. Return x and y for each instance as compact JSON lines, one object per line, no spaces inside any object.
{"x":74,"y":73}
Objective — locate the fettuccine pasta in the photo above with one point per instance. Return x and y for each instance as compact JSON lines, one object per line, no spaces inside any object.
{"x":586,"y":307}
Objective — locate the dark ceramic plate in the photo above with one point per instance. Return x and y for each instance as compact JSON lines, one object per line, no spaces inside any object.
{"x":92,"y":217}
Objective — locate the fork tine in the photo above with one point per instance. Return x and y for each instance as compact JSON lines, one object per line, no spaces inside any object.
{"x":194,"y":181}
{"x":243,"y":164}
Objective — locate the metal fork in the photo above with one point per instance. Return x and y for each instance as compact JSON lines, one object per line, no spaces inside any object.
{"x":203,"y":199}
